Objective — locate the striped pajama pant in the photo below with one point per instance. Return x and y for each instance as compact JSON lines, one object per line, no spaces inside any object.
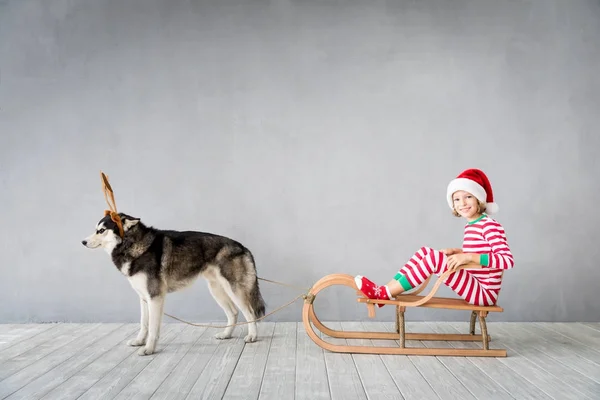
{"x":473,"y":285}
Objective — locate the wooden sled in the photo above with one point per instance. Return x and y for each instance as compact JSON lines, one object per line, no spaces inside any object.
{"x":401,"y":302}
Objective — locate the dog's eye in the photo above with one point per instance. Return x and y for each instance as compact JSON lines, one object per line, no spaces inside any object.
{"x":101,"y":230}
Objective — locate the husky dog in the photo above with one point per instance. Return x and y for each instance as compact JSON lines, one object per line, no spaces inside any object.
{"x":157,"y":262}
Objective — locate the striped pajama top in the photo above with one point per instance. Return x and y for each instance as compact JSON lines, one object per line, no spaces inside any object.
{"x":485,"y":236}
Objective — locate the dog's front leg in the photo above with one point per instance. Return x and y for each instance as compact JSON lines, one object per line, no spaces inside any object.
{"x":155,"y":312}
{"x":140,"y":340}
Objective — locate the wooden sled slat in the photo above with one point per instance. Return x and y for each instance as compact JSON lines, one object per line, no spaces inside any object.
{"x":434,"y":302}
{"x":408,"y":300}
{"x":409,"y":351}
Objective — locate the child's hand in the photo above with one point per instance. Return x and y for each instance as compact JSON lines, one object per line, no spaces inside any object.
{"x":449,"y":251}
{"x":456,"y":260}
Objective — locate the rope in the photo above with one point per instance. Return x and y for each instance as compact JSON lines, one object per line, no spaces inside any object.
{"x":239,"y":323}
{"x":304,"y":296}
{"x":285,"y":284}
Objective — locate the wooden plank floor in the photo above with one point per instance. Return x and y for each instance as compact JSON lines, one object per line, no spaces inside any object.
{"x":91,"y":361}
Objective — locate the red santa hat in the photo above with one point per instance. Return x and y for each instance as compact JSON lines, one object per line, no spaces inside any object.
{"x":475,"y":182}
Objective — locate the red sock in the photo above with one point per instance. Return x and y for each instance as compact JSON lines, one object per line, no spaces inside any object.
{"x":371,"y":290}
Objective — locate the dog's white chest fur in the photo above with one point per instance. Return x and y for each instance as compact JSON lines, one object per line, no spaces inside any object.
{"x":125,"y":268}
{"x":139,"y":283}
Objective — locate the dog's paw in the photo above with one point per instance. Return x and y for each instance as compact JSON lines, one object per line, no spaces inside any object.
{"x":136,"y":342}
{"x":250,"y":338}
{"x":223,"y":335}
{"x":145,"y":351}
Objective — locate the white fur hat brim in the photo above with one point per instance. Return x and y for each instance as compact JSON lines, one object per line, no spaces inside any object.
{"x":472,"y":187}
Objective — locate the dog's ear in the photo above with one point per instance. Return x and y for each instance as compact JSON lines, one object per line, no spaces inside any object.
{"x":129,"y":222}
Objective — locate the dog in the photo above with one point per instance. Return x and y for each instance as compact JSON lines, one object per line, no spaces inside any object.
{"x":157,"y":262}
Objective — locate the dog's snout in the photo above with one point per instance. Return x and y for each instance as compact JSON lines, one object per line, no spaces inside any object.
{"x":84,"y":242}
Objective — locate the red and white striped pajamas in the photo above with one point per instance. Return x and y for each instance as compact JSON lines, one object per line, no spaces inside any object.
{"x":484,"y":236}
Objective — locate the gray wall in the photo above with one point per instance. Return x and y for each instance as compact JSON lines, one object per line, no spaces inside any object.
{"x":321,"y":134}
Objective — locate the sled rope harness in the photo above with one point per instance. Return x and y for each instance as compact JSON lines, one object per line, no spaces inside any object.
{"x":114,"y":216}
{"x":303,"y":296}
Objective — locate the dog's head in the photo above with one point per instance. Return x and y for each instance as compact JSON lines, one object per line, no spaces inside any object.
{"x":107,"y":235}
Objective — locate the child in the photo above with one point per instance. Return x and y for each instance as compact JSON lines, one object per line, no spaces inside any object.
{"x":485,"y":247}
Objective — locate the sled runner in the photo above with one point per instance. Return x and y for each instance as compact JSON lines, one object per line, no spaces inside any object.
{"x":403,"y":301}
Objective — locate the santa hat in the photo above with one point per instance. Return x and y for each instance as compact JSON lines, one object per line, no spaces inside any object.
{"x":475,"y":182}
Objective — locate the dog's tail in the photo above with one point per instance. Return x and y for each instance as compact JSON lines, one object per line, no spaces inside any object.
{"x":255,"y":296}
{"x":256,"y":301}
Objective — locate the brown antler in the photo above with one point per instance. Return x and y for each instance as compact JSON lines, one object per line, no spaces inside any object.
{"x":112,"y":205}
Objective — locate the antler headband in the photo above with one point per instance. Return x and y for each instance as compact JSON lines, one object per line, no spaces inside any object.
{"x":108,"y":192}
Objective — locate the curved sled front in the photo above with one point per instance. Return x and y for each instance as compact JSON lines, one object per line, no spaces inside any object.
{"x":309,"y":319}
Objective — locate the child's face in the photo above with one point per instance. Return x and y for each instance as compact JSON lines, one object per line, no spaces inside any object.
{"x":466,"y":205}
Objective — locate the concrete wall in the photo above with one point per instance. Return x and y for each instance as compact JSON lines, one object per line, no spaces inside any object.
{"x":321,"y":134}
